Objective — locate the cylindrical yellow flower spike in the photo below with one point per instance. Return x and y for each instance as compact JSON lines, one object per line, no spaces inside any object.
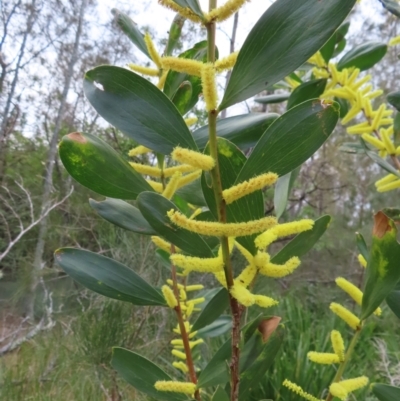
{"x":184,"y":11}
{"x":139,"y":150}
{"x":188,"y":178}
{"x":162,"y":244}
{"x":194,"y":287}
{"x":169,"y":296}
{"x":323,"y":358}
{"x":224,"y":12}
{"x":278,"y":271}
{"x":354,"y":384}
{"x":152,"y":72}
{"x":338,"y":344}
{"x":389,"y":145}
{"x":157,"y":186}
{"x":202,"y":265}
{"x":181,"y":366}
{"x":226,"y":63}
{"x":373,"y":141}
{"x":244,"y":252}
{"x":247,"y":187}
{"x":220,"y":277}
{"x":298,"y":390}
{"x":362,"y":260}
{"x":338,"y":391}
{"x":195,"y":159}
{"x":152,"y":50}
{"x":172,"y":185}
{"x":352,"y":320}
{"x":219,"y":229}
{"x":389,"y":187}
{"x":264,"y":302}
{"x":242,"y":295}
{"x":146,"y":170}
{"x":350,"y":289}
{"x":394,"y":41}
{"x":209,"y":85}
{"x":247,"y":276}
{"x":176,"y":387}
{"x":190,"y":121}
{"x":178,"y":354}
{"x":162,"y":79}
{"x":184,"y":65}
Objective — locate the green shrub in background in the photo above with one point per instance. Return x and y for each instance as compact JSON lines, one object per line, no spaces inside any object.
{"x":200,"y":196}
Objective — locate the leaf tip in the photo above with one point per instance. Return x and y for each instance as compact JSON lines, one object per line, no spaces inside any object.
{"x":77,"y":137}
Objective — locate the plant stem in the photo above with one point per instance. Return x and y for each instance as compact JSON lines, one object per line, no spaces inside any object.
{"x":343,"y":365}
{"x":182,"y":328}
{"x":236,"y":310}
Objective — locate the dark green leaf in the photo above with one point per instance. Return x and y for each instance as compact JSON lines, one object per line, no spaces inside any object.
{"x":303,"y":242}
{"x":393,"y":300}
{"x":344,"y":106}
{"x":383,"y":270}
{"x":142,"y":374}
{"x":220,"y":395}
{"x":284,"y":38}
{"x":192,"y":193}
{"x":396,"y":127}
{"x":392,"y":6}
{"x":123,"y":215}
{"x":107,"y":277}
{"x":130,"y":29}
{"x":97,"y":166}
{"x":269,"y":99}
{"x":362,"y":246}
{"x":192,"y":4}
{"x":137,"y":108}
{"x":182,"y":97}
{"x":154,"y":208}
{"x":394,"y":99}
{"x":308,"y":90}
{"x":340,"y":47}
{"x":214,"y":308}
{"x":217,"y":328}
{"x":251,"y":207}
{"x":291,"y":139}
{"x":328,"y":50}
{"x":282,"y":190}
{"x":363,"y":56}
{"x":174,"y":34}
{"x":384,"y":392}
{"x":244,"y":130}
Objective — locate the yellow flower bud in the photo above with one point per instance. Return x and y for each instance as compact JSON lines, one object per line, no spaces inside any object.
{"x":169,"y":296}
{"x":176,"y":387}
{"x":193,"y":158}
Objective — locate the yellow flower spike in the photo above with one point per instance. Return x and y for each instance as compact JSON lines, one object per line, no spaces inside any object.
{"x":162,"y":79}
{"x":366,"y":89}
{"x":190,"y":308}
{"x":224,"y":12}
{"x":389,"y":187}
{"x":362,"y":128}
{"x":352,"y":94}
{"x":323,"y":358}
{"x":188,"y":178}
{"x":249,"y":257}
{"x":172,"y":185}
{"x":265,"y":239}
{"x":157,"y":186}
{"x":367,"y":106}
{"x":353,"y":76}
{"x":152,"y":50}
{"x":298,"y":390}
{"x":246,"y":277}
{"x":196,"y":213}
{"x":340,"y":93}
{"x":169,"y":296}
{"x":374,"y":94}
{"x":197,"y":342}
{"x":385,"y":180}
{"x":294,"y":84}
{"x":209,"y":85}
{"x":139,"y":150}
{"x":184,"y":65}
{"x":190,"y":121}
{"x":261,"y":259}
{"x":220,"y":277}
{"x":354,"y":384}
{"x":394,"y":41}
{"x":182,"y":295}
{"x":338,"y":344}
{"x":338,"y":391}
{"x":181,"y":366}
{"x":317,"y":59}
{"x":387,"y":141}
{"x":176,"y":342}
{"x":219,"y":229}
{"x":146,"y":170}
{"x":171,"y":283}
{"x":182,"y":168}
{"x":175,"y":387}
{"x":178,"y":354}
{"x":349,"y":288}
{"x":242,"y":295}
{"x":378,"y":117}
{"x":184,"y":11}
{"x":278,"y":271}
{"x":226,"y":63}
{"x":357,"y":85}
{"x":373,"y":141}
{"x":264,"y":302}
{"x":362,"y":260}
{"x":152,"y":72}
{"x":294,"y":227}
{"x":197,"y":301}
{"x":193,"y":158}
{"x":247,"y":187}
{"x":194,"y":287}
{"x":162,"y":244}
{"x":191,"y":335}
{"x":352,"y":320}
{"x":193,"y":263}
{"x":351,"y":114}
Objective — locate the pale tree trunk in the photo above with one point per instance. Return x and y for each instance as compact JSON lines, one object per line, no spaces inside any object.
{"x":48,"y":180}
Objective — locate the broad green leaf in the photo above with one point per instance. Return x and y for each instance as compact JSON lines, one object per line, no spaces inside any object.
{"x":394,"y":99}
{"x":182,"y":97}
{"x":270,"y":99}
{"x":308,"y":90}
{"x":392,"y":6}
{"x":130,"y":29}
{"x":107,"y":277}
{"x":142,"y":374}
{"x":328,"y":50}
{"x":220,"y":395}
{"x":363,"y":56}
{"x":244,"y":130}
{"x":192,"y":193}
{"x":383,"y":268}
{"x":384,"y":392}
{"x":217,"y":328}
{"x":291,"y":139}
{"x":284,"y":38}
{"x":302,"y":242}
{"x":214,"y":308}
{"x":137,"y":108}
{"x":192,"y":5}
{"x":340,"y":47}
{"x":123,"y":215}
{"x":154,"y":208}
{"x":251,"y":207}
{"x":362,"y":246}
{"x":282,"y":190}
{"x":254,"y":374}
{"x":174,"y":34}
{"x":97,"y":166}
{"x":393,"y":300}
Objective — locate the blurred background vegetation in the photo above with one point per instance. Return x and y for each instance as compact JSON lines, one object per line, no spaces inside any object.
{"x":67,"y":333}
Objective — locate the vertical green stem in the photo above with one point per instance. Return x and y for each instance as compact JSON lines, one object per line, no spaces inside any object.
{"x":236,"y":310}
